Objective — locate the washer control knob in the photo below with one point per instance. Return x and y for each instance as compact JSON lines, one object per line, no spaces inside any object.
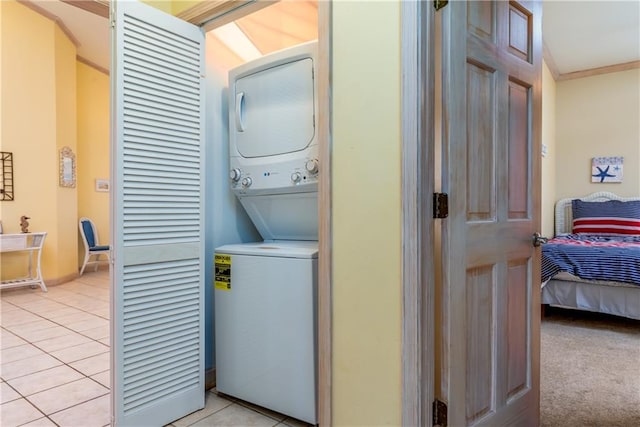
{"x":296,"y":177}
{"x":312,"y":166}
{"x":235,"y":174}
{"x":246,"y":182}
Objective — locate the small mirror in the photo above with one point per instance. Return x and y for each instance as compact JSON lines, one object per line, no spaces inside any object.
{"x":67,"y":168}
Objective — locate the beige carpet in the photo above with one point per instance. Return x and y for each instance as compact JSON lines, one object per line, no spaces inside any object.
{"x":590,"y":370}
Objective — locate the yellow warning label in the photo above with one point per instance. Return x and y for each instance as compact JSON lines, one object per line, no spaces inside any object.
{"x":222,"y":279}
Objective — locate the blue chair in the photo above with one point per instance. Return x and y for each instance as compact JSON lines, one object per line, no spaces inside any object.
{"x":92,"y":246}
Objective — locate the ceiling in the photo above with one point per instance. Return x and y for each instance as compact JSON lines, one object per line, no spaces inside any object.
{"x":578,"y":35}
{"x":591,"y":34}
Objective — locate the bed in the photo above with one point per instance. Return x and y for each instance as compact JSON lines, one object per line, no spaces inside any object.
{"x":593,"y":262}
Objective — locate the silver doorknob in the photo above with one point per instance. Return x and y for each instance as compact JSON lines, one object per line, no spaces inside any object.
{"x":538,"y":239}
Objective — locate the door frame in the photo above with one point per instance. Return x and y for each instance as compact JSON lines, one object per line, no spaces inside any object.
{"x":418,"y":278}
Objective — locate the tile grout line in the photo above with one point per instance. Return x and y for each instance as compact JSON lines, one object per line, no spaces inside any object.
{"x":26,"y":307}
{"x":28,"y":401}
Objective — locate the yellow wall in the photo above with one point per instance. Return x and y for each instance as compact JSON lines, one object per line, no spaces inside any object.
{"x":93,"y":148}
{"x":66,"y":136}
{"x":597,"y":116}
{"x":38,"y":105}
{"x":548,"y":161}
{"x":366,"y":214}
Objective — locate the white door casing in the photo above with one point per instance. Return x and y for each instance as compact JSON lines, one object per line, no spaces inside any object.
{"x":157,"y":294}
{"x":418,"y":275}
{"x":488,"y":340}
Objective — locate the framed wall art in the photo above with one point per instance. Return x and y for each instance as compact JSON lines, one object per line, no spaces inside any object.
{"x":606,"y":169}
{"x":67,"y":168}
{"x":6,"y":175}
{"x":102,"y":185}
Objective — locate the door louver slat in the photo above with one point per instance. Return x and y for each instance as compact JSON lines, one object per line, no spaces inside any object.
{"x":171,"y":39}
{"x":170,"y":142}
{"x":158,"y":57}
{"x":152,"y":87}
{"x":137,"y":76}
{"x":145,"y":162}
{"x":159,"y":110}
{"x":147,"y":37}
{"x":154,"y":59}
{"x":136,"y":96}
{"x":160,"y":69}
{"x":158,"y":131}
{"x":175,"y":382}
{"x":154,"y":117}
{"x":140,"y":356}
{"x":153,"y":375}
{"x":144,"y":145}
{"x":142,"y":192}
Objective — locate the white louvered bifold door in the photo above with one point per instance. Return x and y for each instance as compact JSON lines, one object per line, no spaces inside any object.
{"x":157,"y":216}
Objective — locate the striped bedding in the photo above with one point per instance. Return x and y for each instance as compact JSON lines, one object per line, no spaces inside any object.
{"x":611,"y":258}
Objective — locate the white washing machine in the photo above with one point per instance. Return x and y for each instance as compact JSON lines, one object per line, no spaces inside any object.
{"x":266,"y":325}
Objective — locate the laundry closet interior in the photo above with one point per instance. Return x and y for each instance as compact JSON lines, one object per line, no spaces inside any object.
{"x":261,"y":211}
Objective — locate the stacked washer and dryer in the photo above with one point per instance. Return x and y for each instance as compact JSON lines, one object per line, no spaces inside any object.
{"x":265,"y":292}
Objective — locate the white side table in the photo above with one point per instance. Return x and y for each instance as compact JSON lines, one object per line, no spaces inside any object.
{"x":25,"y":242}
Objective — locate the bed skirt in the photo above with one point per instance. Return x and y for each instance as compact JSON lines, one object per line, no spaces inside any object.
{"x":619,"y":300}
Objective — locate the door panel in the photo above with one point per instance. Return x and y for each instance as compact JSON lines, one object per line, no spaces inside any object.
{"x":517,"y":336}
{"x":157,"y":342}
{"x":479,"y":366}
{"x":490,"y":299}
{"x":518,"y":166}
{"x":481,"y":197}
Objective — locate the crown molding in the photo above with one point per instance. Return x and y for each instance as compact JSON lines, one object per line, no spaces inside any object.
{"x":37,"y":9}
{"x":92,"y":64}
{"x":557,"y":76}
{"x":600,"y":70}
{"x":97,"y":7}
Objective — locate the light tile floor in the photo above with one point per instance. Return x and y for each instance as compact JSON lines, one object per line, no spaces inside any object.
{"x":54,"y":362}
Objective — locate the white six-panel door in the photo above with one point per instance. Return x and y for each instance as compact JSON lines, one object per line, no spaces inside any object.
{"x":157,"y":340}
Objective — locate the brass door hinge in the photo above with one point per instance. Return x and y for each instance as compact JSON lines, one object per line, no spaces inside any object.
{"x":439,"y":4}
{"x":440,"y":205}
{"x":439,"y":413}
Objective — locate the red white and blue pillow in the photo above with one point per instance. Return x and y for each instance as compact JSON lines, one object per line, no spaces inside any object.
{"x":613,"y":217}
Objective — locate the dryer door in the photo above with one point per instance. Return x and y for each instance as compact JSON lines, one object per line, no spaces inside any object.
{"x":273,"y":110}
